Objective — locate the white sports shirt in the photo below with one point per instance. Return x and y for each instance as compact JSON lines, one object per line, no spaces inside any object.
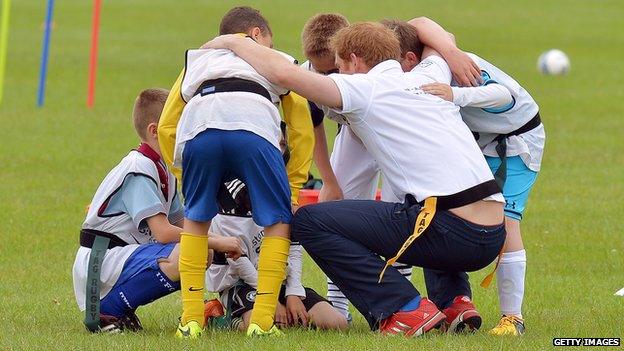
{"x":420,"y":141}
{"x":220,"y":278}
{"x":228,"y":110}
{"x":491,"y":122}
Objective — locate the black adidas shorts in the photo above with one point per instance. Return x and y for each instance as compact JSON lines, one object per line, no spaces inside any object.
{"x":242,"y":298}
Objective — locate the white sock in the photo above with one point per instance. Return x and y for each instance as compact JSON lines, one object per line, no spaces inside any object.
{"x":510,"y":281}
{"x":337,"y":298}
{"x":340,"y":301}
{"x":404,"y":269}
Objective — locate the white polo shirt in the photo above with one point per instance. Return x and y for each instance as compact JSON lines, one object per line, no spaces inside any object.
{"x":419,"y":140}
{"x":228,"y":110}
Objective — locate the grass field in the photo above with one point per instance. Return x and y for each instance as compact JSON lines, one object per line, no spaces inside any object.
{"x":52,"y":159}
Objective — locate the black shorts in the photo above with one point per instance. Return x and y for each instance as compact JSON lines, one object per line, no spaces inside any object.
{"x":242,"y":298}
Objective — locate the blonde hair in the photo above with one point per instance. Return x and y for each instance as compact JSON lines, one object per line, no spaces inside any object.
{"x":317,"y":32}
{"x":370,"y":41}
{"x":147,"y":109}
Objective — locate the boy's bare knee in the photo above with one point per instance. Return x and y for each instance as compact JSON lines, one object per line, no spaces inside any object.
{"x":337,"y":322}
{"x":169,"y":265}
{"x":170,"y":268}
{"x":324,"y":316}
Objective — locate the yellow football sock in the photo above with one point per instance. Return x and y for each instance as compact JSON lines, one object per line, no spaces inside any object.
{"x":271,"y":274}
{"x":192,"y":265}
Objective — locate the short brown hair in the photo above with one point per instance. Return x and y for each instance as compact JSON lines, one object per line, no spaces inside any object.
{"x":317,"y":32}
{"x":407,"y":35}
{"x":147,"y":109}
{"x":242,"y":19}
{"x":370,"y":41}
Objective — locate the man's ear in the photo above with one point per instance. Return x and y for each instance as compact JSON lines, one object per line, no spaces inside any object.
{"x":358,"y":64}
{"x":353,"y":59}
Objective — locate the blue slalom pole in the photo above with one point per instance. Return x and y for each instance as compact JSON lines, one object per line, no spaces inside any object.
{"x":43,"y":71}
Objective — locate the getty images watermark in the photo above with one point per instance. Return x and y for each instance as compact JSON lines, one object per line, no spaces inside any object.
{"x":586,"y":342}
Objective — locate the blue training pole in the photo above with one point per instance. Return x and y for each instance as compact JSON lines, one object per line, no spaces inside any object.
{"x":43,"y":71}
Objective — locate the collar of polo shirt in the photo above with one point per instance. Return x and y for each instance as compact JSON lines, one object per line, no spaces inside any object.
{"x":386,"y":66}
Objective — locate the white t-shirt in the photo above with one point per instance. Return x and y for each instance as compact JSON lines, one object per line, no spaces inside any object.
{"x":228,"y":110}
{"x":420,"y":141}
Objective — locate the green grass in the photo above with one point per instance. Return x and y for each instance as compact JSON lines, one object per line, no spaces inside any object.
{"x":52,"y":160}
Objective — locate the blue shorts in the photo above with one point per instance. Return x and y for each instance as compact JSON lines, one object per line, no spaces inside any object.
{"x":216,"y":156}
{"x":145,"y":257}
{"x":520,"y":180}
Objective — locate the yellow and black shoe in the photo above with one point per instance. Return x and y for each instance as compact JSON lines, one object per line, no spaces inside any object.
{"x":509,"y":325}
{"x":192,"y":330}
{"x":254,"y":330}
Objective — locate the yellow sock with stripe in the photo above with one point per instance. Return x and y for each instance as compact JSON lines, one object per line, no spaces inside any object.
{"x":192,"y":265}
{"x":271,"y":274}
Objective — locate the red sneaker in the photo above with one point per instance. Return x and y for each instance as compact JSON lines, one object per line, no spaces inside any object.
{"x":413,"y":323}
{"x":462,"y":316}
{"x":212,"y":308}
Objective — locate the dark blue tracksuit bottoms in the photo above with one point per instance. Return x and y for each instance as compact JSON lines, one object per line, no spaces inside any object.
{"x":346,"y":239}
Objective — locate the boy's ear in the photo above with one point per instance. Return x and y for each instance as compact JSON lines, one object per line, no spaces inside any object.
{"x":152,"y":128}
{"x":412,"y":56}
{"x":255,"y":33}
{"x":412,"y":59}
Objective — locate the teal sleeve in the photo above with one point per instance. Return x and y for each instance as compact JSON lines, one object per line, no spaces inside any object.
{"x":140,"y":198}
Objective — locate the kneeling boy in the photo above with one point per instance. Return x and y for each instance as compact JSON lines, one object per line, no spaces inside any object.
{"x":237,"y":281}
{"x":128,"y":256}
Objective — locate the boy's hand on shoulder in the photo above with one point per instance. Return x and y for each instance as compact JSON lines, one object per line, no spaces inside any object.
{"x":230,"y":245}
{"x":440,"y":90}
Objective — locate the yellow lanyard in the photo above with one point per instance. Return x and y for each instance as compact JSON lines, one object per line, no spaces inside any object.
{"x":422,"y":222}
{"x":485,"y":283}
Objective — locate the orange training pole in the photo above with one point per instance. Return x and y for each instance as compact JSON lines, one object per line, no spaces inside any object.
{"x":94,"y":50}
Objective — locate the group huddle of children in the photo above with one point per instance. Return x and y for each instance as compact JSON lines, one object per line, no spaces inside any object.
{"x":218,"y":133}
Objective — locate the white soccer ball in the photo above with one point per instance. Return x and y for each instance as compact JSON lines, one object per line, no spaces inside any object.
{"x":553,"y":62}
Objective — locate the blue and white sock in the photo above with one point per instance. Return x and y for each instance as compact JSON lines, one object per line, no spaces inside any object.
{"x":337,"y":299}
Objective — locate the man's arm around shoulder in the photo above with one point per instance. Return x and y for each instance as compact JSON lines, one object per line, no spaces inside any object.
{"x":277,"y":69}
